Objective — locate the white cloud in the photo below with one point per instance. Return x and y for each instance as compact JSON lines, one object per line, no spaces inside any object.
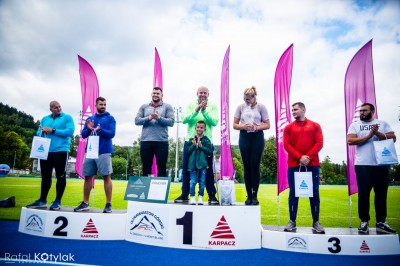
{"x":41,"y":40}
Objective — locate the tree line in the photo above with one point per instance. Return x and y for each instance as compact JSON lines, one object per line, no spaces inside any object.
{"x":18,"y":128}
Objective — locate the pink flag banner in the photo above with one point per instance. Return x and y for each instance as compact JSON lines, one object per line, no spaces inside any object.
{"x":90,"y":92}
{"x":227,"y":168}
{"x":359,"y":88}
{"x":283,"y":79}
{"x":157,"y":82}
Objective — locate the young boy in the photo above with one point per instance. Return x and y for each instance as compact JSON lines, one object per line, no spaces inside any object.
{"x":198,"y":150}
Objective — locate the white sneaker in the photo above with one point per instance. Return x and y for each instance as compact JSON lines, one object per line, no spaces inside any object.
{"x":192,"y":200}
{"x":200,"y":200}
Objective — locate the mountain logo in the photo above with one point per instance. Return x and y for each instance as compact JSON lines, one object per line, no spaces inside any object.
{"x":34,"y":223}
{"x":303,"y":185}
{"x":364,"y":247}
{"x":146,"y":225}
{"x":138,"y":182}
{"x":40,"y":148}
{"x":149,"y":226}
{"x":222,"y":231}
{"x":297,"y":243}
{"x":90,"y":230}
{"x":386,"y":152}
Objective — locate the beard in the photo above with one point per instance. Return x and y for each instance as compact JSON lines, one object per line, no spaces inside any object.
{"x":366,"y":117}
{"x":156,"y":100}
{"x":101,"y":111}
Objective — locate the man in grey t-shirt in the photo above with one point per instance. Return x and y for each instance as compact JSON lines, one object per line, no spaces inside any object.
{"x":155,"y":117}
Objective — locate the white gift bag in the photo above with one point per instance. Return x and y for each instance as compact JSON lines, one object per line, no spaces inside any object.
{"x":92,"y":148}
{"x":40,"y":148}
{"x":385,"y":152}
{"x":303,"y":184}
{"x":227,"y":193}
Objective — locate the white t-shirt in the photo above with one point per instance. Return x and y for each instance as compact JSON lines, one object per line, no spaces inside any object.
{"x":255,"y":115}
{"x":365,"y":153}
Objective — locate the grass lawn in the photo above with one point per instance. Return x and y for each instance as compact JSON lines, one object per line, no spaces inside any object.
{"x":334,"y":201}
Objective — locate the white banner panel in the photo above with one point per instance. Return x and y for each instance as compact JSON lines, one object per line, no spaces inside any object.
{"x":333,"y":242}
{"x":73,"y":225}
{"x":193,"y":226}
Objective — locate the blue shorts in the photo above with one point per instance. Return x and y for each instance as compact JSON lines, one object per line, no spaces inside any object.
{"x":102,"y":165}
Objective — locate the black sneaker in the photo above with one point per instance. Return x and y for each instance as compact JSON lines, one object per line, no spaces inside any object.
{"x":383,"y":227}
{"x":363,"y":229}
{"x":182,"y":199}
{"x":82,"y":207}
{"x":107,"y":208}
{"x":212,"y":200}
{"x":249,"y":201}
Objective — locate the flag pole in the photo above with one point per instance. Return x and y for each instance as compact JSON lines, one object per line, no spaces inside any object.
{"x":279,"y":212}
{"x":350,"y":215}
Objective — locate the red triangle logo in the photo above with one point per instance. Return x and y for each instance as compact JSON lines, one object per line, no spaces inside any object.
{"x":90,"y":228}
{"x":364,"y":247}
{"x":222,"y":230}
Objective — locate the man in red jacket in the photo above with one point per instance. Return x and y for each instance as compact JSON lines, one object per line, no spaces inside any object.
{"x":303,"y":140}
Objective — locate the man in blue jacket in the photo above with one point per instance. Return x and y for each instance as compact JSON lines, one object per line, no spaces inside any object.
{"x":59,"y":127}
{"x":103,"y":124}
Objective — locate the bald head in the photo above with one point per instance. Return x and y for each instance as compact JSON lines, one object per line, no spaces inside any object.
{"x":202,"y":93}
{"x":55,"y":108}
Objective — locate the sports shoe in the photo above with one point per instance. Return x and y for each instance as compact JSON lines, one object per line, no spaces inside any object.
{"x":38,"y":205}
{"x":255,"y":201}
{"x":249,"y":201}
{"x":291,"y":226}
{"x":55,"y":206}
{"x":212,"y":200}
{"x":192,"y":200}
{"x":317,"y":228}
{"x":107,"y":208}
{"x":200,"y":200}
{"x":182,"y":199}
{"x":363,"y":228}
{"x":383,"y":227}
{"x":82,"y":207}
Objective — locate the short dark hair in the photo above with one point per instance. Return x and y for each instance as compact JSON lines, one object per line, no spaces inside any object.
{"x":157,"y":89}
{"x":371,"y":106}
{"x":300,"y":104}
{"x":201,"y":122}
{"x":100,"y":99}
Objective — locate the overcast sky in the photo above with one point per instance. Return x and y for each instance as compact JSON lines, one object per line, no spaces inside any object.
{"x":40,"y":41}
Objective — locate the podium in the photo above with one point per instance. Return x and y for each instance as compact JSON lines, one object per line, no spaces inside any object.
{"x":89,"y":225}
{"x":337,"y":241}
{"x":194,"y":226}
{"x":204,"y":227}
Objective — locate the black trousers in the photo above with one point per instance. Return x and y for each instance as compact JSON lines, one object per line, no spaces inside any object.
{"x":57,"y":161}
{"x":251,"y":147}
{"x":369,"y":177}
{"x":147,"y":151}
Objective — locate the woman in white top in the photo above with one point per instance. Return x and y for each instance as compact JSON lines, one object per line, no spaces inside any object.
{"x":251,"y":118}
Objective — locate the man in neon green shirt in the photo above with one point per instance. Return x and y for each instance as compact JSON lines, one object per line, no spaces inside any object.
{"x":194,"y":112}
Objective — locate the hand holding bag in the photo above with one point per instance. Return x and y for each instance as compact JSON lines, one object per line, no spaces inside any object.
{"x":40,"y":147}
{"x":303,"y":184}
{"x":92,"y":149}
{"x":385,"y":152}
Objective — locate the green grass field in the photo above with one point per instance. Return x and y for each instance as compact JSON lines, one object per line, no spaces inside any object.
{"x":334,"y":201}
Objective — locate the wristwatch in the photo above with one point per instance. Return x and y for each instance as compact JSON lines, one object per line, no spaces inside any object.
{"x":53,"y":130}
